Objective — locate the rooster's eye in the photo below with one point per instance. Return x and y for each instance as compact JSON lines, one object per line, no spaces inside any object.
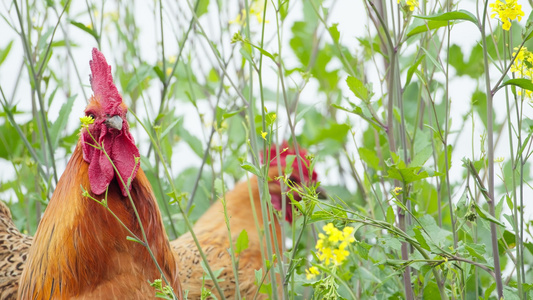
{"x":91,"y":116}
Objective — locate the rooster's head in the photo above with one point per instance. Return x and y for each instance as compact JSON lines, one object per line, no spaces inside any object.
{"x":294,"y":178}
{"x":110,"y":130}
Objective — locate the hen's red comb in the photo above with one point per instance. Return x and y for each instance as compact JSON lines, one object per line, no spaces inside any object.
{"x":102,"y":84}
{"x":290,"y":151}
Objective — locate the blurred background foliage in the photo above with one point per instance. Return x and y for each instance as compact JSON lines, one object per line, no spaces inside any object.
{"x":189,"y":70}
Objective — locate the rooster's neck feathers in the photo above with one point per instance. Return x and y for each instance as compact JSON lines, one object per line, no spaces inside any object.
{"x":79,"y":245}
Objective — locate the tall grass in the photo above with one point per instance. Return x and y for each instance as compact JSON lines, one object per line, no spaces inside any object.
{"x":412,"y":166}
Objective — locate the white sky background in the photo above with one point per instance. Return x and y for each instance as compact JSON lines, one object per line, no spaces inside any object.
{"x":349,"y":14}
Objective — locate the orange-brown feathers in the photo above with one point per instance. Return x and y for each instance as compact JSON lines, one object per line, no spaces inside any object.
{"x":80,"y":249}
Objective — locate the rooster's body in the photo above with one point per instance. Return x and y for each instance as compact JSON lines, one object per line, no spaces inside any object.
{"x":212,"y":234}
{"x":80,"y":250}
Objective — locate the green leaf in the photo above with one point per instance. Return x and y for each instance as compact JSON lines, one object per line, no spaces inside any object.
{"x":486,"y":215}
{"x":134,"y":239}
{"x":61,"y":122}
{"x":219,"y":187}
{"x":358,"y":88}
{"x":430,"y":26}
{"x":525,"y":84}
{"x":159,"y":73}
{"x":451,"y":16}
{"x":369,"y":157}
{"x":4,"y":52}
{"x":391,"y":218}
{"x":433,"y":60}
{"x":334,"y":32}
{"x":363,"y":249}
{"x":202,"y":7}
{"x":431,"y":291}
{"x":251,"y":168}
{"x":412,"y":69}
{"x":242,"y":242}
{"x":85,"y":28}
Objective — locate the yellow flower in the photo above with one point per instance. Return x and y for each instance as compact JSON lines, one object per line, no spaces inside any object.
{"x":264,"y":135}
{"x":311,"y":273}
{"x":507,"y":12}
{"x":397,"y":190}
{"x":332,"y":245}
{"x":256,"y":9}
{"x":168,"y":71}
{"x":523,"y":67}
{"x":412,"y":4}
{"x":86,"y":121}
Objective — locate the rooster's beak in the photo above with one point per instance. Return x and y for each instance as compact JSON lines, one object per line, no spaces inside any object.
{"x":114,"y":122}
{"x":321,"y":193}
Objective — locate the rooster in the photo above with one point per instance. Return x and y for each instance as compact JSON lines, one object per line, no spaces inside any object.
{"x":212,"y":233}
{"x":80,"y":250}
{"x":14,"y":248}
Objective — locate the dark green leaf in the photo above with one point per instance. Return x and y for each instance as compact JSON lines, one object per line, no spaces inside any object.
{"x":520,"y":82}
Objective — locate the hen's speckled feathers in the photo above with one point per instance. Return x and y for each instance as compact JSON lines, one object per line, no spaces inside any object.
{"x":14,"y":247}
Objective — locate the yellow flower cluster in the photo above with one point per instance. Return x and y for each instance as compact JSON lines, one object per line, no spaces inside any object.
{"x":411,"y":3}
{"x":256,"y":9}
{"x":523,"y":66}
{"x":86,"y":121}
{"x":507,"y":12}
{"x":397,"y":190}
{"x":331,"y":247}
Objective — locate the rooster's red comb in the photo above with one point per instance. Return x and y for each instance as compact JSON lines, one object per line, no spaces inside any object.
{"x":285,"y":150}
{"x":102,"y":84}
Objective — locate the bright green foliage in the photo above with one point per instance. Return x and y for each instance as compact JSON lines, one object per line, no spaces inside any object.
{"x":395,"y":115}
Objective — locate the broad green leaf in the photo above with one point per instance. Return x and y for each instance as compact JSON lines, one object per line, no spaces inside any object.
{"x":451,"y":16}
{"x":431,"y":291}
{"x":362,"y":249}
{"x":390,"y":243}
{"x":334,"y":32}
{"x":408,"y":175}
{"x":242,"y":242}
{"x":369,"y":157}
{"x":202,"y":7}
{"x":358,"y":88}
{"x":525,"y":84}
{"x":421,"y":157}
{"x":251,"y":168}
{"x":391,"y":218}
{"x":486,"y":215}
